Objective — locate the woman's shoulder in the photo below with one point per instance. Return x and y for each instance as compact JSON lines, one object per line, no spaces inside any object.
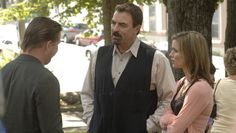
{"x":201,"y":87}
{"x":226,"y":80}
{"x":225,"y":83}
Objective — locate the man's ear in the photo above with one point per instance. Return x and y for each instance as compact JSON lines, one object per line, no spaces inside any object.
{"x":49,"y":44}
{"x":138,"y":27}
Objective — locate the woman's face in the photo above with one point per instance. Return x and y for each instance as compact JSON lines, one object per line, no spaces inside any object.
{"x":176,"y":56}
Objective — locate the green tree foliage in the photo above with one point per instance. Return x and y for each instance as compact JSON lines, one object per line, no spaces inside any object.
{"x":99,"y":11}
{"x":6,"y":56}
{"x":24,"y":10}
{"x":31,"y":8}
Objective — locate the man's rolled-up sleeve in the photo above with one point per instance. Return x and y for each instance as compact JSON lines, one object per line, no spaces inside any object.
{"x":87,"y":93}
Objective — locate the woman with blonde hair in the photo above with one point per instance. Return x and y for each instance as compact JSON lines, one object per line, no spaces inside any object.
{"x":192,"y":103}
{"x":225,"y":94}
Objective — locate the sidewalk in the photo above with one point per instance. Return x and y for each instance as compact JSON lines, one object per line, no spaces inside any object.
{"x":72,"y":121}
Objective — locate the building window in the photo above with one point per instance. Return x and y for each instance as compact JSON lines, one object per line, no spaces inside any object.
{"x":215,"y":24}
{"x":152,"y":18}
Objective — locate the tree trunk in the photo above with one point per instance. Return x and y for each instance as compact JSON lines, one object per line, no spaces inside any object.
{"x":3,"y":4}
{"x":21,"y":30}
{"x":108,"y":7}
{"x":230,"y":40}
{"x":171,"y":31}
{"x":185,"y":15}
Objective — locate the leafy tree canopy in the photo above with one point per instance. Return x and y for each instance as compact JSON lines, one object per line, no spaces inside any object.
{"x":31,"y":8}
{"x":217,"y":3}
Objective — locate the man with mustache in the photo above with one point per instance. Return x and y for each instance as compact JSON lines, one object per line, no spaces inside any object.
{"x":128,"y":83}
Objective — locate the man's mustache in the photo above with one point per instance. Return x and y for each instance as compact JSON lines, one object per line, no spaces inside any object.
{"x":116,"y":34}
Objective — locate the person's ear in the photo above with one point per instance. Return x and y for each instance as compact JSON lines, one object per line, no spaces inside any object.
{"x":49,"y":44}
{"x":137,"y":28}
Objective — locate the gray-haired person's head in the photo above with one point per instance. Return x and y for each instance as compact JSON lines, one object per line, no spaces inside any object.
{"x":230,"y":61}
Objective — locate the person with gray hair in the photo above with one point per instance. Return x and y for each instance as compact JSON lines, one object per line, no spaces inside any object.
{"x":225,"y":93}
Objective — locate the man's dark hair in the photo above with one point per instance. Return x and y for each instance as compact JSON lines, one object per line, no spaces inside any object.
{"x":133,"y":10}
{"x":40,"y":30}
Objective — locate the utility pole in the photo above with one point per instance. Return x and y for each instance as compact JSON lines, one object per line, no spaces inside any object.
{"x":3,"y":4}
{"x":21,"y":30}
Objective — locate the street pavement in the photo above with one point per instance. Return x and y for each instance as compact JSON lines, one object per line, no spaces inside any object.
{"x":70,"y":66}
{"x":72,"y":120}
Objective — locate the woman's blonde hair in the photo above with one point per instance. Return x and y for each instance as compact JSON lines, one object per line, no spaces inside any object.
{"x":230,"y":61}
{"x":194,"y":49}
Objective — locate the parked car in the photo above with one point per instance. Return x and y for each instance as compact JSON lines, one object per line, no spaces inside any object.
{"x":10,"y":45}
{"x":69,"y":32}
{"x":93,"y":47}
{"x":88,"y":37}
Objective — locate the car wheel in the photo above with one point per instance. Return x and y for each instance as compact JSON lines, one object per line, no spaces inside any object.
{"x":88,"y":54}
{"x":77,"y":42}
{"x":65,"y":39}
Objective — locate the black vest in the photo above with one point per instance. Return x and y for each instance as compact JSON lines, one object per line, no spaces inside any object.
{"x":124,"y":108}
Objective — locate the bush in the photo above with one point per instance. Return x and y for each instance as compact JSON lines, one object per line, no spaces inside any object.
{"x":6,"y":56}
{"x":71,"y":98}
